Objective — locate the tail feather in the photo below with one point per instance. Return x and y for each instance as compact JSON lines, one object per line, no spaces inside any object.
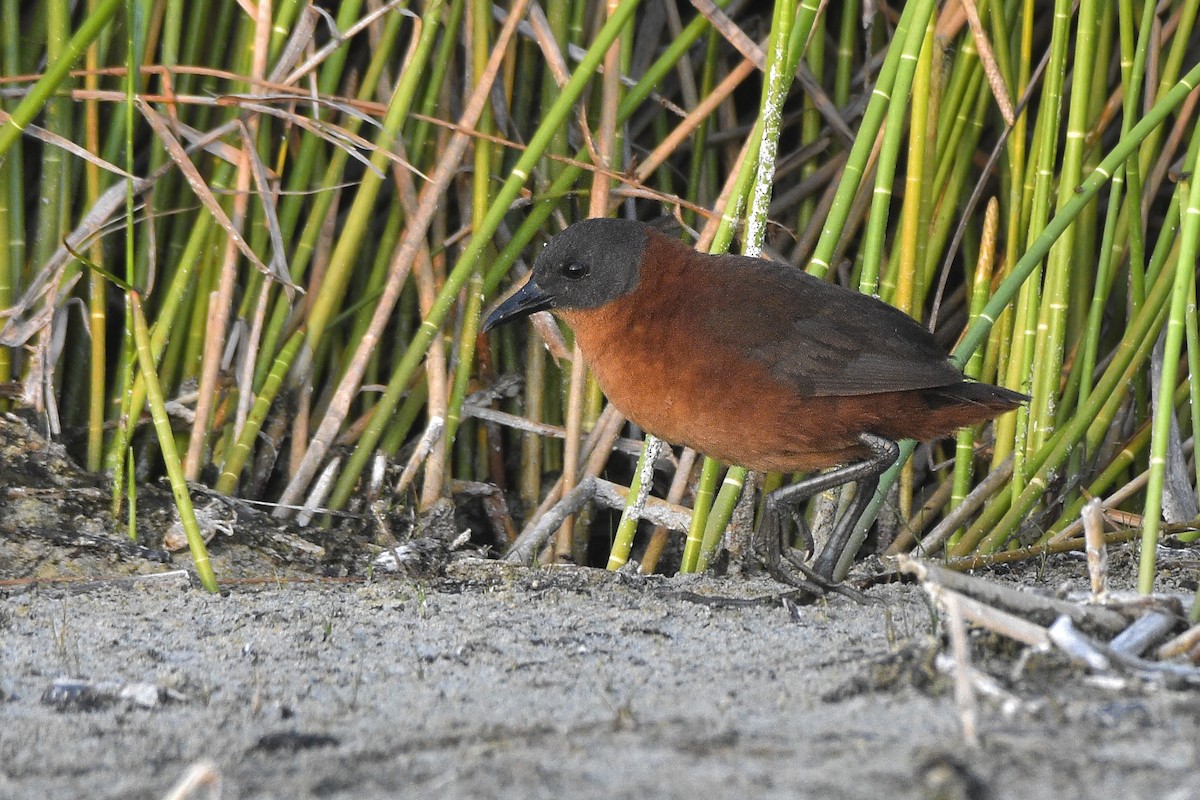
{"x":984,"y":394}
{"x":949,"y":408}
{"x":925,"y":414}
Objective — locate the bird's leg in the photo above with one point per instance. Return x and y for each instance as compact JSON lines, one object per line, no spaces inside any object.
{"x":771,"y":541}
{"x":803,"y":535}
{"x":826,"y":562}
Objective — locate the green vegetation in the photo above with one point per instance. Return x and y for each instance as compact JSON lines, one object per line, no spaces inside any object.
{"x":311,"y":210}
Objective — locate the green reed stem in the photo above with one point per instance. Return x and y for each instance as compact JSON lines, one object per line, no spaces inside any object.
{"x":166,"y":443}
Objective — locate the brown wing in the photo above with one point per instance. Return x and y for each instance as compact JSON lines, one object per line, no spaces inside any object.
{"x":820,"y":338}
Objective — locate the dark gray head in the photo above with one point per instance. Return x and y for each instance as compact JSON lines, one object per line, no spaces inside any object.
{"x":587,"y":265}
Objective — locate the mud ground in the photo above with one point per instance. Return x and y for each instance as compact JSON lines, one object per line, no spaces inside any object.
{"x":497,"y":681}
{"x":547,"y":684}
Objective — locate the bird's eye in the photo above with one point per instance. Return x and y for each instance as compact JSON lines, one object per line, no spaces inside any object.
{"x":573,"y":270}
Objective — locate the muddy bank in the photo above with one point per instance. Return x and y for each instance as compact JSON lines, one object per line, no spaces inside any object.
{"x":308,"y":679}
{"x":499,"y":682}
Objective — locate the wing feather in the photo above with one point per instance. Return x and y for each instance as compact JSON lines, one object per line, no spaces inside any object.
{"x":834,"y":341}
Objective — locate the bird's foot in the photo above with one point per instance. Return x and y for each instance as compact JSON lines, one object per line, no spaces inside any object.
{"x":788,"y":565}
{"x":793,"y":570}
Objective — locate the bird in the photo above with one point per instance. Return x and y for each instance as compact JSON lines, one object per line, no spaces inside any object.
{"x":754,"y":363}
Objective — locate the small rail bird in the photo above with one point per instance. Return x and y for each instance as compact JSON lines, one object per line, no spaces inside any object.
{"x":754,"y":363}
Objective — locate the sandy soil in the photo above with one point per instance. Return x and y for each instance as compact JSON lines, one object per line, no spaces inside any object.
{"x":495,"y":681}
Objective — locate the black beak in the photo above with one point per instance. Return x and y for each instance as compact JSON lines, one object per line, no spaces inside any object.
{"x":526,"y":300}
